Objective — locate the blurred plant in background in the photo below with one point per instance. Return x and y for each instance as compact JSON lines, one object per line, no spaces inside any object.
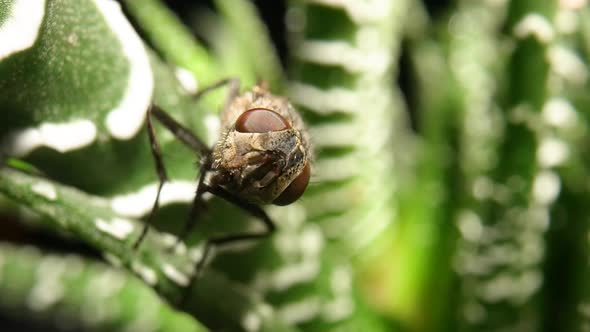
{"x":449,"y":181}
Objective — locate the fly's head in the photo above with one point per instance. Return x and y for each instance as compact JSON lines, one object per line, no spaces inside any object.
{"x":263,"y":154}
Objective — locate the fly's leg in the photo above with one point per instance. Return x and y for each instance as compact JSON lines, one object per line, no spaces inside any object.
{"x":253,"y":209}
{"x":198,"y":146}
{"x":198,"y":203}
{"x":181,"y":133}
{"x":161,"y":171}
{"x":233,"y":83}
{"x":185,"y":136}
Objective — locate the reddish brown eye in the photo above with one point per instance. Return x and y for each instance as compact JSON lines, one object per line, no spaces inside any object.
{"x":260,"y":120}
{"x":295,"y":189}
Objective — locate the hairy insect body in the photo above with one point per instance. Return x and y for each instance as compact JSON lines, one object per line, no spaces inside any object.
{"x":263,"y":156}
{"x":264,"y":150}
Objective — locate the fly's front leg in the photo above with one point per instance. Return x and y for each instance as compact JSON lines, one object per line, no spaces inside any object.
{"x":198,"y":204}
{"x":185,"y":136}
{"x":161,"y":171}
{"x":252,"y":209}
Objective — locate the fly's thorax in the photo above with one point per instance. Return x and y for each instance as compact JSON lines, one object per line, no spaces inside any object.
{"x":259,"y":166}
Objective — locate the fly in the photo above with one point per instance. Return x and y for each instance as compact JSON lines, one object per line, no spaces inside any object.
{"x":262,"y":157}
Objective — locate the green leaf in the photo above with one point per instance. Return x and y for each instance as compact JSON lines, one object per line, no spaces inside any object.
{"x":72,"y":290}
{"x":91,"y":220}
{"x":86,"y":74}
{"x":173,"y":39}
{"x":5,"y":9}
{"x":74,"y":102}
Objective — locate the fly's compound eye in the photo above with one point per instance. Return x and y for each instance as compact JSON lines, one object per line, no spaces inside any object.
{"x":295,"y":189}
{"x":261,"y":120}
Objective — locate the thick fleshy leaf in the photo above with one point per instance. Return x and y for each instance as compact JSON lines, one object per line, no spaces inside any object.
{"x":90,"y":219}
{"x":69,"y":290}
{"x":82,"y":74}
